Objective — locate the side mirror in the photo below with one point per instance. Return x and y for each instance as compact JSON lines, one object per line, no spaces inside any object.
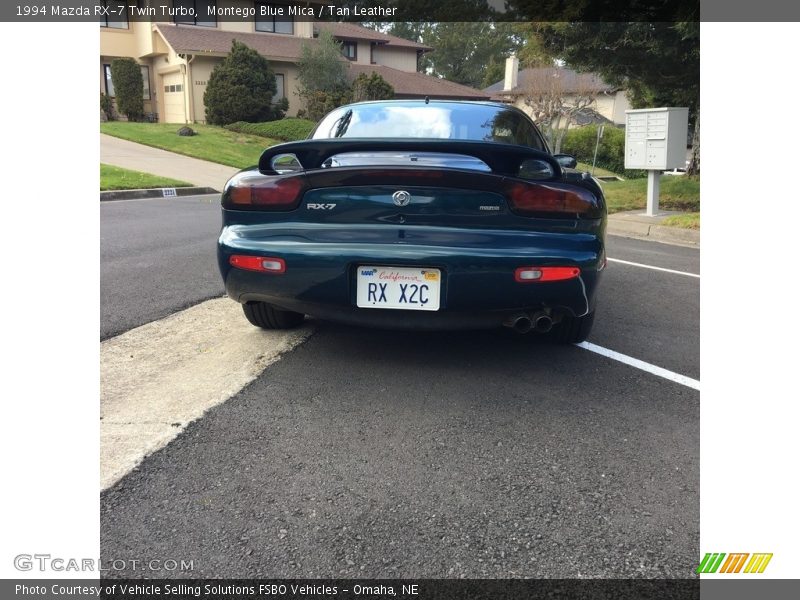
{"x":566,"y":160}
{"x":286,"y":163}
{"x":533,"y":168}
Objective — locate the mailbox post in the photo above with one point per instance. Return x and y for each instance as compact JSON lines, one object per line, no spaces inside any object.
{"x":655,"y":140}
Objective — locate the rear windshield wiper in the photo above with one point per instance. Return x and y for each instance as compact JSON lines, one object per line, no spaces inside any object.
{"x":344,"y":123}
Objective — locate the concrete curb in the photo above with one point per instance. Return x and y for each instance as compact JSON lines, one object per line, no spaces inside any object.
{"x":656,"y":233}
{"x":155,"y":193}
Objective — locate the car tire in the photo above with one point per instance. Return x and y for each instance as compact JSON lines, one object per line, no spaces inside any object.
{"x":572,"y":330}
{"x":267,"y":316}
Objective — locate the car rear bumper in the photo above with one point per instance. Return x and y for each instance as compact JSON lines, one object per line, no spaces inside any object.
{"x":478,"y":285}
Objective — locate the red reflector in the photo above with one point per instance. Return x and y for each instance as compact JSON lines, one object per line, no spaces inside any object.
{"x":538,"y":197}
{"x":539,"y":274}
{"x":266,"y":192}
{"x":263,"y":264}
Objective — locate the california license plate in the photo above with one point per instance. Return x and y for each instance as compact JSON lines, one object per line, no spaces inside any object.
{"x":399,"y":288}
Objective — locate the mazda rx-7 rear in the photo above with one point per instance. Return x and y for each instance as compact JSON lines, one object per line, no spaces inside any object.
{"x":416,"y":214}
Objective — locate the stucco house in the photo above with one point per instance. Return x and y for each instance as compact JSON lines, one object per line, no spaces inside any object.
{"x":609,"y":102}
{"x":177,"y":57}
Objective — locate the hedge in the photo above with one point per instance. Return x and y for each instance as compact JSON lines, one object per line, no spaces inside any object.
{"x":580,"y":142}
{"x":286,"y":129}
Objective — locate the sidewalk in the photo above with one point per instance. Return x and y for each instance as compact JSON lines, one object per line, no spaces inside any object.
{"x":636,"y":224}
{"x":130,"y":155}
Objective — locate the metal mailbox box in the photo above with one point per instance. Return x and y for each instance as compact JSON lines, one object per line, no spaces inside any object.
{"x":655,"y":138}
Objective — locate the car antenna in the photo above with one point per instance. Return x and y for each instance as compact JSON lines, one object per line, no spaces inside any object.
{"x":427,"y":99}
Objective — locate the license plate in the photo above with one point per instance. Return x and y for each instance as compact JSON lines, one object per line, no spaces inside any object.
{"x":399,"y":288}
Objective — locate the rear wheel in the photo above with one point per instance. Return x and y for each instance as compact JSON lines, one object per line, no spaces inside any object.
{"x":267,"y":316}
{"x":572,"y":330}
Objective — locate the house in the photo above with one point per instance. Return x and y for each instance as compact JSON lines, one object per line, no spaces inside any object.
{"x":608,"y":104}
{"x":177,"y":56}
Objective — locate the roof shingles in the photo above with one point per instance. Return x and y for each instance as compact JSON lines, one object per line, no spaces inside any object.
{"x":418,"y":84}
{"x":571,"y":81}
{"x":289,"y":48}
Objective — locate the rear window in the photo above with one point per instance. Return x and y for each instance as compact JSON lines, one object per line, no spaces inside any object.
{"x":449,"y":121}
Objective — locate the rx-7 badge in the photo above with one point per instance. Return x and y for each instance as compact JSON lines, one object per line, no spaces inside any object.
{"x":313,"y":206}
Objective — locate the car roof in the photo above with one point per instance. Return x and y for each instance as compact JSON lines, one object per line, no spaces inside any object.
{"x":425,"y":101}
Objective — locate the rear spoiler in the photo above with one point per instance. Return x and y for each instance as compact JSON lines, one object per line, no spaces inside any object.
{"x":502,"y":159}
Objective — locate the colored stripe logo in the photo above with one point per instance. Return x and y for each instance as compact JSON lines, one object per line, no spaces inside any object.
{"x":719,"y":562}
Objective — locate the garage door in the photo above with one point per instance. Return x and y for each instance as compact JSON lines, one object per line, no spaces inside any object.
{"x":174,"y":106}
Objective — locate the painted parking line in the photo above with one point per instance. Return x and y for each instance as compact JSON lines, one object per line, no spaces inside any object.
{"x":635,"y":264}
{"x":640,"y":364}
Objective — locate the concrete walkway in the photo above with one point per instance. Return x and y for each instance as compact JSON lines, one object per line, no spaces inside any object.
{"x":636,"y":224}
{"x":130,"y":155}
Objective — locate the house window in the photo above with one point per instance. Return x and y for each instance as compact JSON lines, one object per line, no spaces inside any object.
{"x":280,"y":91}
{"x":145,"y":82}
{"x":109,"y":83}
{"x":173,"y":88}
{"x":274,"y":23}
{"x":350,"y":50}
{"x":117,"y":17}
{"x":199,"y":12}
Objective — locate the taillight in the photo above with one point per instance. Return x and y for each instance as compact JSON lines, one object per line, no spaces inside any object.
{"x":534,"y":198}
{"x":262,"y":192}
{"x":263,"y":264}
{"x":540,"y":274}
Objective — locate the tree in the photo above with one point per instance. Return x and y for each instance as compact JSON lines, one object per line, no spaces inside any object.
{"x":322,"y":76}
{"x":462,"y":51}
{"x":240,"y":88}
{"x":658,"y":63}
{"x":553,"y":107}
{"x":371,"y":87}
{"x":126,"y":76}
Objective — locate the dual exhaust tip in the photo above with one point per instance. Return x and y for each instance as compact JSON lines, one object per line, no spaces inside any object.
{"x":538,"y":322}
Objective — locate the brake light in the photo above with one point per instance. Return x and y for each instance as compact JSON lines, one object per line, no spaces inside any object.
{"x":540,"y":274}
{"x":263,"y":264}
{"x":262,"y":192}
{"x":528,"y":198}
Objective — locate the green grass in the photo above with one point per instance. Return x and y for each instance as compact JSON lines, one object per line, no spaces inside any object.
{"x":597,"y":170}
{"x":677,"y":193}
{"x":686,"y":221}
{"x":116,"y":178}
{"x":211,"y":143}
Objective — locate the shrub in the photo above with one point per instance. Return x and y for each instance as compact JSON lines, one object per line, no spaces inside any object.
{"x":580,"y":142}
{"x":371,"y":87}
{"x":241,"y":88}
{"x":107,"y":106}
{"x":320,"y":103}
{"x":126,"y":75}
{"x":322,"y":77}
{"x":287,"y":130}
{"x":279,"y":108}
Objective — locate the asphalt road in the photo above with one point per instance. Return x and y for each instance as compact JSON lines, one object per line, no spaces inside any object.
{"x":156,"y":257}
{"x":382,"y":454}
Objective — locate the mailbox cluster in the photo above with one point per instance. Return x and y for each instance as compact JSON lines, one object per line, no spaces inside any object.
{"x":655,"y":138}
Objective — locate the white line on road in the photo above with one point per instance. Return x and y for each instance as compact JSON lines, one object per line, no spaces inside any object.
{"x":640,"y":364}
{"x":635,"y":264}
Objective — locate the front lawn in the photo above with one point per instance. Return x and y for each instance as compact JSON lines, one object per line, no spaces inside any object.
{"x":211,"y":143}
{"x":598,"y":171}
{"x":117,"y":178}
{"x":677,"y":193}
{"x":684,"y":221}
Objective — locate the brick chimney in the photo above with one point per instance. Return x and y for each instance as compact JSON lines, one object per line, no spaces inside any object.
{"x":512,"y":70}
